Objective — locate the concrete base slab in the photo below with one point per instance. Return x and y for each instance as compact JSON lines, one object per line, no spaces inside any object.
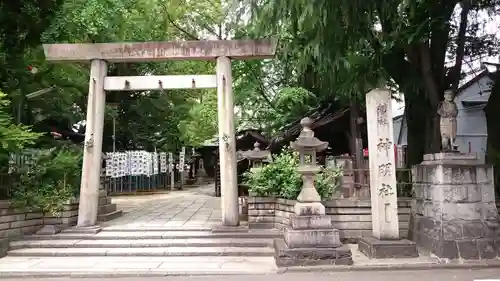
{"x":230,"y":229}
{"x":49,"y":230}
{"x":83,"y":230}
{"x":387,"y":249}
{"x":261,"y":225}
{"x":286,"y":256}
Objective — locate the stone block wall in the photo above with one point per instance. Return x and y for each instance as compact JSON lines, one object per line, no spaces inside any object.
{"x":454,"y":214}
{"x":351,"y":217}
{"x":15,"y":222}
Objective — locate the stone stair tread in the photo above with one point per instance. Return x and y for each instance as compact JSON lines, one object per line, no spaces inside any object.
{"x":152,"y":251}
{"x":136,"y":243}
{"x":99,"y":266}
{"x":103,"y":235}
{"x":139,"y":228}
{"x":109,"y":216}
{"x":106,"y":209}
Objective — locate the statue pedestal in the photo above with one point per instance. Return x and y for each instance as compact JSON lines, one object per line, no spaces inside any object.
{"x":310,"y":239}
{"x":454,"y":214}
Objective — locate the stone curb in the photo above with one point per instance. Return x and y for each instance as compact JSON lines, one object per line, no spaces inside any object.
{"x":386,"y":267}
{"x":139,"y":273}
{"x":117,"y":274}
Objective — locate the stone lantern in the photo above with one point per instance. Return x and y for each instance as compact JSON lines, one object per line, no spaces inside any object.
{"x":310,"y":239}
{"x":307,"y":145}
{"x":256,"y":156}
{"x":199,"y":168}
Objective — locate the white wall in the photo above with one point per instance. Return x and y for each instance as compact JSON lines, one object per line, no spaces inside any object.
{"x":471,"y":121}
{"x":397,"y":122}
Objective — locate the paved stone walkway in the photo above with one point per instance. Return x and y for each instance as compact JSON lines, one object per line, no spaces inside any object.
{"x":191,"y":208}
{"x":414,"y":275}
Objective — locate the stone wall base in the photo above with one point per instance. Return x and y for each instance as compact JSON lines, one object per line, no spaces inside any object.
{"x":286,"y":256}
{"x":387,"y":249}
{"x":106,"y":210}
{"x":459,"y":239}
{"x":351,"y":217}
{"x":453,"y":212}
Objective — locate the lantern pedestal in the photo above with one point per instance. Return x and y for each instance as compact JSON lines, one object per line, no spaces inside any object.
{"x":311,"y":240}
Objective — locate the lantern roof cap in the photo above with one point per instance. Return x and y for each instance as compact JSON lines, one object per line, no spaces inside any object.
{"x":306,"y":139}
{"x":256,"y":153}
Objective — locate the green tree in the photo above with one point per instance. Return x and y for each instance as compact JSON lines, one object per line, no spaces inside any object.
{"x":13,"y":137}
{"x":359,"y":45}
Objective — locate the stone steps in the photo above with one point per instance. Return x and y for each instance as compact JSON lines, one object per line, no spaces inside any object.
{"x":104,"y":201}
{"x":148,"y":251}
{"x":143,"y":243}
{"x":137,"y":243}
{"x":154,"y":234}
{"x":145,"y":266}
{"x":109,"y":216}
{"x":105,"y":209}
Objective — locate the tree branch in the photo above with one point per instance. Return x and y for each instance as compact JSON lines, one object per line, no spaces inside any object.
{"x":460,"y":52}
{"x":439,"y":39}
{"x":188,"y":34}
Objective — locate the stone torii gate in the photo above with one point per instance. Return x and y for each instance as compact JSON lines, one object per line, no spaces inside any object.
{"x":99,"y":55}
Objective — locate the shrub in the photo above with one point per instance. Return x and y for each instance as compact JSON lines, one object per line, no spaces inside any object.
{"x":280,"y":178}
{"x":51,"y":179}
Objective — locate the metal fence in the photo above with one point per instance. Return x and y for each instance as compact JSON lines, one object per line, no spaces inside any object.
{"x":137,"y":183}
{"x":356,"y":182}
{"x":160,"y":181}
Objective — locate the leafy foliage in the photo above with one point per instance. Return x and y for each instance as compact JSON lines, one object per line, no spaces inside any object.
{"x":13,"y":137}
{"x":201,"y":124}
{"x":280,"y":178}
{"x":345,"y":48}
{"x":50,"y":180}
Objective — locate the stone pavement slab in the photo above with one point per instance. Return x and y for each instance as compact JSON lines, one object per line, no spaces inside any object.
{"x":96,"y":266}
{"x":193,"y":208}
{"x":428,"y":275}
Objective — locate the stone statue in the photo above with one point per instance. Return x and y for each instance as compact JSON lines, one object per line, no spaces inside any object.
{"x":448,"y":123}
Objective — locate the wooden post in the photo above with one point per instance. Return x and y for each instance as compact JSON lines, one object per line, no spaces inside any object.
{"x":89,"y":189}
{"x":171,"y":170}
{"x":227,"y":143}
{"x":182,"y":156}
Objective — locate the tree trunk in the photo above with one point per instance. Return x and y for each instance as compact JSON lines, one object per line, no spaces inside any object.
{"x":423,"y":127}
{"x":492,"y":112}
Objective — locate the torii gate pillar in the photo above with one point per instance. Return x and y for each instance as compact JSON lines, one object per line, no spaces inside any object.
{"x":221,"y":51}
{"x":227,"y":143}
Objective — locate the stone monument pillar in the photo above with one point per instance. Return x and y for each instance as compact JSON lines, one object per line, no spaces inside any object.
{"x":385,"y":242}
{"x":310,"y":238}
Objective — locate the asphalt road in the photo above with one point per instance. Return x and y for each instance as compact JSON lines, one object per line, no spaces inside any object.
{"x":416,"y":275}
